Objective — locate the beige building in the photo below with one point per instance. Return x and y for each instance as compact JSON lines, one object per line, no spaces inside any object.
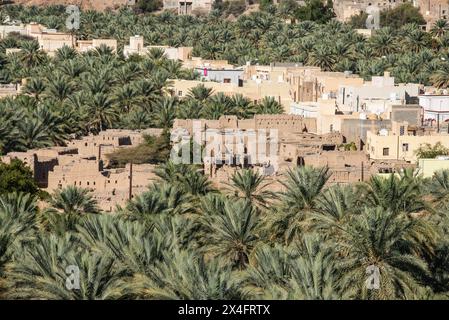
{"x":345,"y":9}
{"x":305,"y":83}
{"x":198,"y":62}
{"x":433,"y":10}
{"x":5,"y":30}
{"x":83,"y":163}
{"x":400,"y":143}
{"x":11,"y":89}
{"x":196,"y":7}
{"x":136,"y":46}
{"x":87,"y":45}
{"x":49,"y":39}
{"x":376,"y":96}
{"x":428,"y":167}
{"x":284,"y":123}
{"x":253,"y":90}
{"x":287,"y":83}
{"x":295,"y":145}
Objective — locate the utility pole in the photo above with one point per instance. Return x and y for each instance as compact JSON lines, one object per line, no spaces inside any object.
{"x":438,"y":123}
{"x":363,"y":173}
{"x":130,"y":180}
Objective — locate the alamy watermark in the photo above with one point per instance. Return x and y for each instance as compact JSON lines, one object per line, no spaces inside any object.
{"x":373,"y":280}
{"x":73,"y":20}
{"x":224,"y":146}
{"x":373,"y":19}
{"x":72,"y":282}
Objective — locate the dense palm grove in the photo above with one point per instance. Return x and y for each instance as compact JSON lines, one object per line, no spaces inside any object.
{"x":74,"y":94}
{"x":182,"y":238}
{"x":411,"y":54}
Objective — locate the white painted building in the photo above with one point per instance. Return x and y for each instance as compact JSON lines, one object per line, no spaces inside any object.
{"x":435,"y":107}
{"x":375,"y":96}
{"x":188,"y":6}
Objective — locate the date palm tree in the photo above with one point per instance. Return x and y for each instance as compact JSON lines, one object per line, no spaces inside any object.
{"x":250,"y":185}
{"x":32,"y":135}
{"x":439,"y":28}
{"x":335,"y":208}
{"x":59,"y":87}
{"x":268,"y":267}
{"x":232,"y":234}
{"x":438,"y":187}
{"x":165,"y":112}
{"x":41,"y":272}
{"x":397,"y":194}
{"x":101,"y":111}
{"x":184,"y":275}
{"x":315,"y":273}
{"x":200,"y":93}
{"x":126,"y":97}
{"x":323,"y":57}
{"x":303,"y":186}
{"x":35,"y":87}
{"x":129,"y":243}
{"x":31,"y":55}
{"x":65,"y":53}
{"x":67,"y":207}
{"x":383,"y":42}
{"x":242,"y":107}
{"x":53,"y":124}
{"x":385,"y":245}
{"x":440,"y":78}
{"x":268,"y":105}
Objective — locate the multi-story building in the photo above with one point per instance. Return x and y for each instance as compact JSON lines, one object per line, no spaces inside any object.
{"x":305,"y":83}
{"x":401,"y":142}
{"x":433,"y":10}
{"x":377,"y":95}
{"x":435,"y":110}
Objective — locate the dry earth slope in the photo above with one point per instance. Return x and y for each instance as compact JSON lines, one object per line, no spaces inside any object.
{"x":84,"y":4}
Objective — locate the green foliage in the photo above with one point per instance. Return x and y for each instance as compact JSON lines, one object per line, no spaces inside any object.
{"x":152,"y":150}
{"x":427,"y":151}
{"x":265,"y":5}
{"x":395,"y":18}
{"x":348,"y":146}
{"x":182,"y":238}
{"x":316,"y":10}
{"x":230,"y":7}
{"x":401,"y":15}
{"x":17,"y":177}
{"x":358,"y":21}
{"x":149,"y":5}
